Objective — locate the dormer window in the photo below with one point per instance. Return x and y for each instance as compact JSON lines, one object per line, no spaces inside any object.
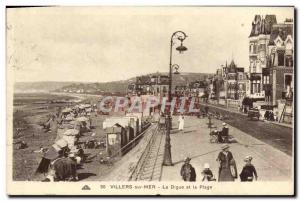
{"x":278,"y":41}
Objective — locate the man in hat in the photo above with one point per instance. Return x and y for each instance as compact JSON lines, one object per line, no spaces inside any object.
{"x":248,"y":170}
{"x":225,"y":132}
{"x":227,"y":167}
{"x":187,"y":171}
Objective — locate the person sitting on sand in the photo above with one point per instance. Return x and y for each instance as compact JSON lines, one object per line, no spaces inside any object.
{"x":207,"y":173}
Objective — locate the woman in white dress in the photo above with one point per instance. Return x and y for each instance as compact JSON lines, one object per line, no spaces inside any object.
{"x":181,"y":122}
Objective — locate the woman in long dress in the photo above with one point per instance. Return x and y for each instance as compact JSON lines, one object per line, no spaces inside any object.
{"x":181,"y":122}
{"x":226,"y":165}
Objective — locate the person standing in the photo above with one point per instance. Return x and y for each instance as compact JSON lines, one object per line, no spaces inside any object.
{"x":181,"y":122}
{"x":206,"y":108}
{"x":187,"y":171}
{"x":248,"y":170}
{"x":227,"y":166}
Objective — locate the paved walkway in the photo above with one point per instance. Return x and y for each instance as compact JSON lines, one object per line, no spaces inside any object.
{"x":271,"y":164}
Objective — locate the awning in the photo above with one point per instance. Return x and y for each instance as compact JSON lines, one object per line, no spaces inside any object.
{"x":81,"y":119}
{"x":72,"y":132}
{"x":66,"y":110}
{"x":255,"y":77}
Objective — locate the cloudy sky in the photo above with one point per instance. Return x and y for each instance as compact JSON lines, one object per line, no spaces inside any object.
{"x":105,"y":44}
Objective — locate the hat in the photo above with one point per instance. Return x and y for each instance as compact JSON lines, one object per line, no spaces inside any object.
{"x":248,"y":158}
{"x":224,"y":124}
{"x":187,"y":159}
{"x":225,"y":146}
{"x":206,"y":166}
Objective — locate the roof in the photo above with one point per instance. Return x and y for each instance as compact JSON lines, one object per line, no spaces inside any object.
{"x":147,"y":80}
{"x":281,"y":30}
{"x":262,"y":25}
{"x":232,"y":64}
{"x":143,"y":80}
{"x":270,"y":20}
{"x":198,"y":84}
{"x":232,"y":68}
{"x":240,"y":69}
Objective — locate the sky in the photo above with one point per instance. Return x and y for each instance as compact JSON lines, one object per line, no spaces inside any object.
{"x":101,"y":44}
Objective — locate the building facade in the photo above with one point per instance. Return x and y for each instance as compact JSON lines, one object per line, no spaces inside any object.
{"x":271,"y":58}
{"x":157,"y":85}
{"x":271,"y":55}
{"x":258,"y":53}
{"x":235,"y":81}
{"x":280,"y":63}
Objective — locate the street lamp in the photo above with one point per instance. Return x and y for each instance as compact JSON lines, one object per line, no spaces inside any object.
{"x":179,"y":35}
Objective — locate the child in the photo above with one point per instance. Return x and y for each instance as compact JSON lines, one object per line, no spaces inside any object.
{"x":187,"y":171}
{"x":248,"y":170}
{"x":207,"y":173}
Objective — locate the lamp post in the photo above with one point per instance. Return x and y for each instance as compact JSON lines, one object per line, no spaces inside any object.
{"x":179,"y":35}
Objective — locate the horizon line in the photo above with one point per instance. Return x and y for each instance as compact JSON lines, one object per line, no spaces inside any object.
{"x":106,"y":81}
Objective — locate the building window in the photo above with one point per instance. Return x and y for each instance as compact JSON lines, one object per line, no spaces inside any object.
{"x":262,"y":47}
{"x":289,"y":61}
{"x":254,"y":49}
{"x":266,"y":79}
{"x":287,"y":80}
{"x":280,"y":58}
{"x":255,"y":87}
{"x":164,"y":89}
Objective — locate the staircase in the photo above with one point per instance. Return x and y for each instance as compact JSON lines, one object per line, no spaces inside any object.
{"x":152,"y":166}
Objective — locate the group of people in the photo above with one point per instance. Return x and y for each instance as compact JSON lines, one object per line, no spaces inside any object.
{"x":227,"y":169}
{"x":64,"y":167}
{"x":163,"y":123}
{"x":269,"y":115}
{"x":66,"y":155}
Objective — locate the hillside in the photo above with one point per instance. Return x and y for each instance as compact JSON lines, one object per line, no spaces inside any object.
{"x":97,"y":87}
{"x":36,"y":87}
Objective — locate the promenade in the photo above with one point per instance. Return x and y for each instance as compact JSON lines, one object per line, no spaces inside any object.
{"x":271,"y":164}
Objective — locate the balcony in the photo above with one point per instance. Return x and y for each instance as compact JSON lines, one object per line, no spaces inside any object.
{"x":253,"y":54}
{"x":255,"y":76}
